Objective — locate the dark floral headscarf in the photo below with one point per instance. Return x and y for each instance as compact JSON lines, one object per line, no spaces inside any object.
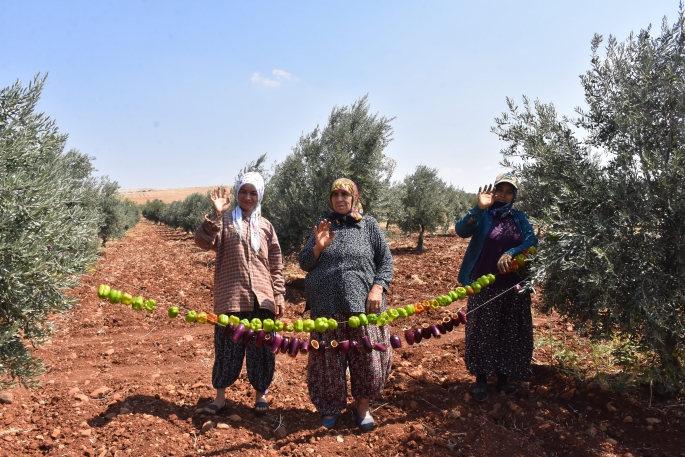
{"x":357,"y":211}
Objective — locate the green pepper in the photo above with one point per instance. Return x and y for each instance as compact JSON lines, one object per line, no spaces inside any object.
{"x":381,"y":321}
{"x":137,"y":306}
{"x":402,"y":312}
{"x":461,"y":293}
{"x":268,"y":325}
{"x":135,"y":302}
{"x":476,"y":286}
{"x":454,"y":295}
{"x":383,"y":315}
{"x":245,"y":322}
{"x":126,"y":299}
{"x":353,"y":322}
{"x":483,"y":281}
{"x":410,"y":309}
{"x":393,"y":314}
{"x":278,"y":326}
{"x":321,"y":325}
{"x":434,"y":304}
{"x":103,"y":291}
{"x":308,"y":325}
{"x":332,"y":324}
{"x":149,"y":305}
{"x":235,"y":320}
{"x":299,"y":326}
{"x":491,"y":278}
{"x":114,"y":296}
{"x":363,"y":319}
{"x":372,"y":318}
{"x":222,"y":320}
{"x":191,"y":316}
{"x":256,"y":324}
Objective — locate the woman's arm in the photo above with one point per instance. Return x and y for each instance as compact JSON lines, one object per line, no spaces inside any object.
{"x":382,"y":259}
{"x":208,"y":235}
{"x":466,"y":226}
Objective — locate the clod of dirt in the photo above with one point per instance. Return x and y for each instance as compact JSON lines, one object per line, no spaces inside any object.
{"x":100,"y":392}
{"x":6,"y":398}
{"x":222,"y":425}
{"x":611,"y":408}
{"x":467,"y":397}
{"x":207,"y":426}
{"x":234,"y":418}
{"x":652,"y":420}
{"x":628,"y":419}
{"x":281,"y":432}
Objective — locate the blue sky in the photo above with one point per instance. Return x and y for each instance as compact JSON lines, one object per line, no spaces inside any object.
{"x":180,"y":94}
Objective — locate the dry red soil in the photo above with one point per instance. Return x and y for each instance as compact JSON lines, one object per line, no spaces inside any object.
{"x":120,"y":382}
{"x":141,"y":196}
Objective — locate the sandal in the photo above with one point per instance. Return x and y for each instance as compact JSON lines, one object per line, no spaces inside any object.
{"x":261,"y":406}
{"x":212,"y":409}
{"x":480,"y":392}
{"x":364,"y":424}
{"x":329,"y":423}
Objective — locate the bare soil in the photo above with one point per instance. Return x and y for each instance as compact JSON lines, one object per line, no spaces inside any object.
{"x":120,"y":382}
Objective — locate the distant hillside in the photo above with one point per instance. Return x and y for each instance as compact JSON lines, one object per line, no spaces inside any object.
{"x":166,"y":195}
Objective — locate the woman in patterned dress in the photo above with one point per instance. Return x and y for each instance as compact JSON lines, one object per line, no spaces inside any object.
{"x":248,"y":282}
{"x":499,"y":334}
{"x":349,"y":269}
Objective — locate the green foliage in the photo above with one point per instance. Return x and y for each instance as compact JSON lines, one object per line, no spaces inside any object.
{"x":152,"y":210}
{"x":117,"y":215}
{"x":425,"y":202}
{"x":351,"y":146}
{"x":611,"y":204}
{"x":458,"y":203}
{"x":49,"y":220}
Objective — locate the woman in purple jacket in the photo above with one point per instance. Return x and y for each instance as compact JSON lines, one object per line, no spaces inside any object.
{"x":499,"y":334}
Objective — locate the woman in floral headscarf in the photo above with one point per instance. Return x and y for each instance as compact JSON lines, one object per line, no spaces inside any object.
{"x":349,"y":269}
{"x":248,"y":282}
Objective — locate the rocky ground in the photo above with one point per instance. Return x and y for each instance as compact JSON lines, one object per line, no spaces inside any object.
{"x":120,"y":382}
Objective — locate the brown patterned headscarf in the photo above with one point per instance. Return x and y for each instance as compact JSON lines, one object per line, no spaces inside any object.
{"x":357,"y":211}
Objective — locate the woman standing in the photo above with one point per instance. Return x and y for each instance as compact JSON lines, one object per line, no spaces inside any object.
{"x":349,"y":269}
{"x":248,"y":282}
{"x":499,"y":334}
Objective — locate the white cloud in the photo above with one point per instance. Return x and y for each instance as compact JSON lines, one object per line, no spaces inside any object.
{"x":257,"y":79}
{"x":285,"y":75}
{"x":280,"y":76}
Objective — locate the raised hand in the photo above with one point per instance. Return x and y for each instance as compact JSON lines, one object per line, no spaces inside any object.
{"x":324,"y":237}
{"x":486,"y":196}
{"x":221,"y":200}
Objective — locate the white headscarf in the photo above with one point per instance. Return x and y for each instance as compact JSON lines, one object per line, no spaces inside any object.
{"x":258,"y":182}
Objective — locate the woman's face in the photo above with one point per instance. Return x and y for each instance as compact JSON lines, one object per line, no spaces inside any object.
{"x":248,"y":197}
{"x":342,"y":201}
{"x":504,"y":192}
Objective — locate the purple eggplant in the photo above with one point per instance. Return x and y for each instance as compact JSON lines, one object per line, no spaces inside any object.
{"x":304,"y":347}
{"x":260,"y":338}
{"x":238,"y":333}
{"x":276,"y":343}
{"x":426,"y":331}
{"x":334,"y":346}
{"x":409,"y":336}
{"x":294,"y":347}
{"x":247,"y":337}
{"x":448,"y":323}
{"x":441,"y":328}
{"x":462,"y":317}
{"x":228,"y":331}
{"x":314,"y":345}
{"x":344,"y":347}
{"x":285,"y":342}
{"x":395,"y":342}
{"x":418,"y":335}
{"x":381,"y":347}
{"x":354,"y":347}
{"x":367,"y":344}
{"x":434,"y":331}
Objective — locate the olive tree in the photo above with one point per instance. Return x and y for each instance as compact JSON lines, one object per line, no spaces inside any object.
{"x":349,"y":146}
{"x":424,"y":201}
{"x":607,"y":189}
{"x":49,"y":221}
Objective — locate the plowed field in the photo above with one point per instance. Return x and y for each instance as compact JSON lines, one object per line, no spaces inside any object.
{"x":120,"y":382}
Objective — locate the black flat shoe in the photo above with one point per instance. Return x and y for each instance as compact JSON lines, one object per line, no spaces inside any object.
{"x":479,"y":392}
{"x":508,"y":389}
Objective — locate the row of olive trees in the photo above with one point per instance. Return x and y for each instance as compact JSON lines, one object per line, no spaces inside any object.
{"x":608,"y":188}
{"x":186,"y":215}
{"x":53,"y":213}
